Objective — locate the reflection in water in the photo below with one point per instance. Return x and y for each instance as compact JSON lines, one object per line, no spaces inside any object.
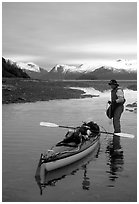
{"x":115,"y":158}
{"x":44,"y":178}
{"x":86,"y":182}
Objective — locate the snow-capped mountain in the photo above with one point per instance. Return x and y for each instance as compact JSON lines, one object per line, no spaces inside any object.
{"x":121,"y":69}
{"x":118,"y":69}
{"x":83,"y":68}
{"x":65,"y":69}
{"x":29,"y":66}
{"x":26,"y":66}
{"x":122,"y":64}
{"x":33,"y":70}
{"x":117,"y":65}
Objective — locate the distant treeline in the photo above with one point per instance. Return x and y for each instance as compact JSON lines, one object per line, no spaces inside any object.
{"x":11,"y":70}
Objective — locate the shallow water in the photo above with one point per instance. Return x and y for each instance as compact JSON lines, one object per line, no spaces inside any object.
{"x":99,"y":177}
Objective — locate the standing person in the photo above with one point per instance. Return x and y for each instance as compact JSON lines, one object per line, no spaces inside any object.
{"x":116,"y":104}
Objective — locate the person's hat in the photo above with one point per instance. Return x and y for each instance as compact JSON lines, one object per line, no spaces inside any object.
{"x":113,"y":82}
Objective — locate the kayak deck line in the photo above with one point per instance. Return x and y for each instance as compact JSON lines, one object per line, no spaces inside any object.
{"x":52,"y":165}
{"x":73,"y":152}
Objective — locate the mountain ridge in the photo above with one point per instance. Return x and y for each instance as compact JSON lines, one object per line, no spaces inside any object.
{"x":120,"y":69}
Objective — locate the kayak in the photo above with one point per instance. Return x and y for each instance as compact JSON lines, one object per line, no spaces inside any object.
{"x":77,"y":144}
{"x":46,"y":178}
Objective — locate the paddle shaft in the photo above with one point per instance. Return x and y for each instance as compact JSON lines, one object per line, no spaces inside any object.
{"x":109,"y":133}
{"x":61,"y":126}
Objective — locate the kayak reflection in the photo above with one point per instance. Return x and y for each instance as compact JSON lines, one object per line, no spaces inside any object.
{"x":45,"y":178}
{"x":115,"y":158}
{"x":86,"y":182}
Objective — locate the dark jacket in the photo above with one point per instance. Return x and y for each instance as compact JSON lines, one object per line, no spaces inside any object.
{"x":110,"y":111}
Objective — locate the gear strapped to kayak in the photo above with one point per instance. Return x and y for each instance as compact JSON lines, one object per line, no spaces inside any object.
{"x":80,"y":133}
{"x":76,"y":144}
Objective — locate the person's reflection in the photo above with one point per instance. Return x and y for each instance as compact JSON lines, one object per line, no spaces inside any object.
{"x":115,"y":158}
{"x":116,"y":144}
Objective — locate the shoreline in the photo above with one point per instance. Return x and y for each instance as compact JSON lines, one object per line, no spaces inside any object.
{"x":22,"y":90}
{"x":29,"y":90}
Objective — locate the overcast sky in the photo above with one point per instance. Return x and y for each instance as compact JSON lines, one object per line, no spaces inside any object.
{"x":69,"y":33}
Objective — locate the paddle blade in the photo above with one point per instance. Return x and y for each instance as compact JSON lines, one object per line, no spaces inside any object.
{"x":48,"y":124}
{"x":124,"y":135}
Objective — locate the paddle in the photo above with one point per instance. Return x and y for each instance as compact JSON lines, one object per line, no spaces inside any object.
{"x":54,"y":125}
{"x":121,"y":134}
{"x":47,"y":124}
